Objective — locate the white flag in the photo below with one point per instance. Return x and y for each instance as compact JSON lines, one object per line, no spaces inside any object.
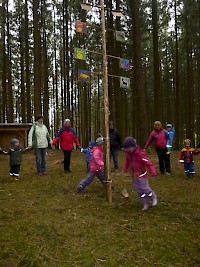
{"x":124,"y":82}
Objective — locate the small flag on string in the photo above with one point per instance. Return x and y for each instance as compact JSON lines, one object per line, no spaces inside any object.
{"x":80,"y":53}
{"x":120,"y":36}
{"x":83,"y":75}
{"x":124,"y":82}
{"x":81,"y":27}
{"x":124,"y":64}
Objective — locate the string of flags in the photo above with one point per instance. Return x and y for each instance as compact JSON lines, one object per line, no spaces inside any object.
{"x":79,"y":53}
{"x":81,"y":27}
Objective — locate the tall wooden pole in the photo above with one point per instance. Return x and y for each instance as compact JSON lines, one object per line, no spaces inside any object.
{"x":106,"y":104}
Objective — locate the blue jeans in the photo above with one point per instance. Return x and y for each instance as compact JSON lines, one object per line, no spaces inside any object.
{"x":189,"y":168}
{"x":41,"y":159}
{"x":114,"y":155}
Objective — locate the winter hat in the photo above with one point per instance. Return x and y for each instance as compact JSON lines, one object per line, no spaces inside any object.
{"x":169,"y":125}
{"x":14,"y":141}
{"x":129,"y":142}
{"x":67,"y":120}
{"x":91,"y":143}
{"x":99,"y":141}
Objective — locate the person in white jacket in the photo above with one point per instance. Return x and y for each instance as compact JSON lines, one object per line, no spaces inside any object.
{"x":39,"y":139}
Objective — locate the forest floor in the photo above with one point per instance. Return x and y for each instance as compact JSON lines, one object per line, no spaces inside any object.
{"x":45,"y":222}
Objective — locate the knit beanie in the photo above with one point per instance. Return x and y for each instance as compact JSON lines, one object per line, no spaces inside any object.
{"x":169,"y":125}
{"x":14,"y":141}
{"x":129,"y":142}
{"x":91,"y":143}
{"x":99,"y":141}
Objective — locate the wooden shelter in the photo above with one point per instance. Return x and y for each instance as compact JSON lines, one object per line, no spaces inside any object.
{"x":14,"y":130}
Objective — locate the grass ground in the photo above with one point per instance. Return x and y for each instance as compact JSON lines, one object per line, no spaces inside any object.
{"x":44,"y":222}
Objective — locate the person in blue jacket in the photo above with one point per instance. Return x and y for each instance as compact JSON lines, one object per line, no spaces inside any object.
{"x":171,"y":132}
{"x":87,"y":152}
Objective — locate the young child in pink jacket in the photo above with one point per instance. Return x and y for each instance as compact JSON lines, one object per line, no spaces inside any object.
{"x":137,"y":162}
{"x":96,"y":165}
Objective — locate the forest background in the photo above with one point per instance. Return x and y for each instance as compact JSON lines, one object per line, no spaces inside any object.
{"x":39,"y":72}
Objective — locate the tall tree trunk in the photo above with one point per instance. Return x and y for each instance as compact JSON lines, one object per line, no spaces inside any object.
{"x":45,"y":66}
{"x":4,"y":65}
{"x":189,"y":82}
{"x":37,"y":59}
{"x":27,"y":67}
{"x":22,"y":107}
{"x":10,"y":110}
{"x":156,"y":64}
{"x":177,"y":84}
{"x":138,"y":78}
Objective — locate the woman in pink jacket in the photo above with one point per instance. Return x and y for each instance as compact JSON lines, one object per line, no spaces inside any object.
{"x":159,"y":136}
{"x":67,"y":137}
{"x":96,"y":166}
{"x":137,"y":162}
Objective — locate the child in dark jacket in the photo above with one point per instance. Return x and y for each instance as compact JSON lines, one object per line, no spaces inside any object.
{"x":137,"y":162}
{"x":87,"y":152}
{"x":15,"y":153}
{"x":186,"y":157}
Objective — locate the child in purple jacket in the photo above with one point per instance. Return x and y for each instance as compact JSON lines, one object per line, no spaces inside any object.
{"x":137,"y":162}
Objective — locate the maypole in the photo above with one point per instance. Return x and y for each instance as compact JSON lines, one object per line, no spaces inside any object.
{"x":106,"y":104}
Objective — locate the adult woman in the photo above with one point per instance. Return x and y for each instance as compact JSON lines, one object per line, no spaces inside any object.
{"x":159,"y":137}
{"x":39,"y":139}
{"x":67,"y":137}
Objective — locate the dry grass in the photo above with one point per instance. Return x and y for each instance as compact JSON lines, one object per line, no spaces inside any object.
{"x":44,"y":222}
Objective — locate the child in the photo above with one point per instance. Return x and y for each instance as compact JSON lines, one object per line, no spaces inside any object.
{"x":87,"y":152}
{"x":171,"y":132}
{"x":186,"y":157}
{"x":96,"y":166}
{"x":137,"y":162}
{"x":15,"y":153}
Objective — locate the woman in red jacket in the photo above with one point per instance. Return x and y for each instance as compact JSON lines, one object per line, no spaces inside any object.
{"x":67,"y":137}
{"x":159,"y":137}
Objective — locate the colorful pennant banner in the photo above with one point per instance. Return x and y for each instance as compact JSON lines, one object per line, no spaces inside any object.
{"x":81,"y":27}
{"x":83,"y":75}
{"x":80,"y":53}
{"x":124,"y":64}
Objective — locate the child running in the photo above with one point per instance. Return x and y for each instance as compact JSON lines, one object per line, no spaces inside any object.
{"x":186,"y":157}
{"x":136,"y":162}
{"x":87,"y":152}
{"x":96,"y":166}
{"x":15,"y":153}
